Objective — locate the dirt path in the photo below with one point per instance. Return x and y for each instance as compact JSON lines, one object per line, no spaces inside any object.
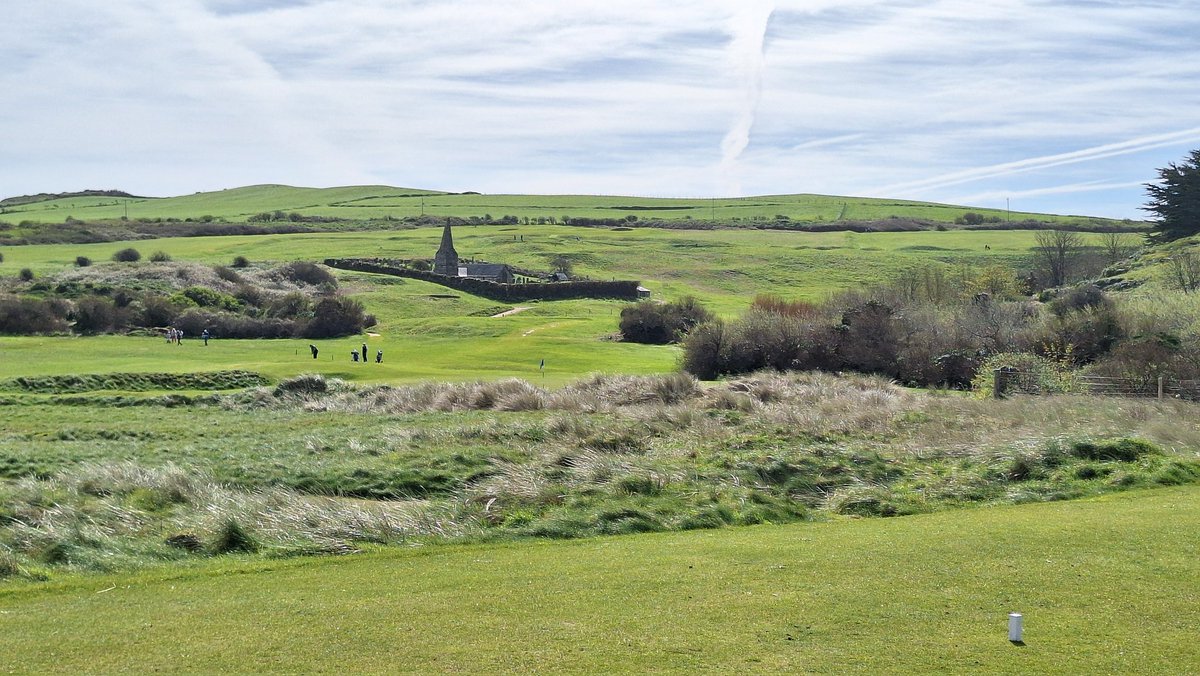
{"x":510,"y":312}
{"x":539,"y":328}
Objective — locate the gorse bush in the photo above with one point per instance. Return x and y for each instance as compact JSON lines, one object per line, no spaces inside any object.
{"x":256,"y":304}
{"x":200,"y":296}
{"x":228,"y":274}
{"x":127,"y":255}
{"x":337,"y":316}
{"x":32,"y":316}
{"x":661,"y":323}
{"x":82,"y":261}
{"x":96,"y":315}
{"x":304,"y":272}
{"x":160,"y":257}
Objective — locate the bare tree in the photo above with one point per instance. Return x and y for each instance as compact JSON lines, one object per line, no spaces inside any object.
{"x":1057,"y":251}
{"x":1185,"y":269}
{"x":1117,"y":246}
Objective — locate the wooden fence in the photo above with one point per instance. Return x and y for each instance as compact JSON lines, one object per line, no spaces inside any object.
{"x":1010,"y":381}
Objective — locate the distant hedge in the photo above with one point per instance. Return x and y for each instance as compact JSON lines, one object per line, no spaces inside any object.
{"x":621,"y":290}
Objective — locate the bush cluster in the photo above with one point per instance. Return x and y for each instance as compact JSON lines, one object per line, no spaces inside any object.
{"x":935,"y":335}
{"x":661,"y":323}
{"x":249,"y":312}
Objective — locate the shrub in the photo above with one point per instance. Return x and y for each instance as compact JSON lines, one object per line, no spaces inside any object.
{"x":82,"y":261}
{"x":1037,"y":374}
{"x":334,"y":317}
{"x":1144,"y":360}
{"x":661,"y":323}
{"x":306,"y":383}
{"x":226,"y":325}
{"x":1087,"y":334}
{"x":206,"y":297}
{"x":1124,"y":449}
{"x":228,"y":275}
{"x":304,"y":272}
{"x":160,"y":257}
{"x":788,"y":308}
{"x":25,"y":275}
{"x":231,"y":536}
{"x":157,"y":311}
{"x":25,"y":316}
{"x":1079,"y":298}
{"x":240,"y":262}
{"x":94,"y":315}
{"x":127,"y":255}
{"x":702,"y":349}
{"x":293,"y":304}
{"x":871,"y":335}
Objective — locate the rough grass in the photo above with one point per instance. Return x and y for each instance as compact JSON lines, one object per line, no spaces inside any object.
{"x":605,"y":455}
{"x":134,"y":382}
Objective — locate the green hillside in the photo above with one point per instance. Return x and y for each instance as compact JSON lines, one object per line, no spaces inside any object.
{"x":379,"y":202}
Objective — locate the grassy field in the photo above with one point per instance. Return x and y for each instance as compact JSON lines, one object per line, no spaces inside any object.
{"x":425,"y":335}
{"x":377,"y":202}
{"x":126,"y":510}
{"x":728,"y":261}
{"x":1106,"y":585}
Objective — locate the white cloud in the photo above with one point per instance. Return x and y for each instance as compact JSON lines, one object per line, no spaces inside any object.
{"x":933,"y":99}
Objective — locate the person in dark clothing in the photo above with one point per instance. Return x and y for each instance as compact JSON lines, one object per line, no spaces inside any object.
{"x":364,"y":348}
{"x":205,"y":335}
{"x":379,"y":356}
{"x":354,"y":355}
{"x":313,"y":348}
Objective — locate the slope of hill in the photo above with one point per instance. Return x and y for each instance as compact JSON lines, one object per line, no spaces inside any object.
{"x":48,"y":197}
{"x":381,"y":202}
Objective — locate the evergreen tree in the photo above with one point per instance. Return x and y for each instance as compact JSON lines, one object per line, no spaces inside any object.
{"x":1175,"y":199}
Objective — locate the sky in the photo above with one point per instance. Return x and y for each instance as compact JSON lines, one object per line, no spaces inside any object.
{"x":1061,"y":106}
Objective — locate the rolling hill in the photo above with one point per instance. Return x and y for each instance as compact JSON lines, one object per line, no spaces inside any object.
{"x":385,"y":202}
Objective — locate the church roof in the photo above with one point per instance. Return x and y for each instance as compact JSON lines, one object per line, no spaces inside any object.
{"x":447,"y":242}
{"x":488,"y":269}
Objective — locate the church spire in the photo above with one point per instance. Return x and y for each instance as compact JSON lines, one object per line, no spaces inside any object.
{"x":445,"y":262}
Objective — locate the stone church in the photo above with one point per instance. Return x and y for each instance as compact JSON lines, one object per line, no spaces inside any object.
{"x":446,"y":262}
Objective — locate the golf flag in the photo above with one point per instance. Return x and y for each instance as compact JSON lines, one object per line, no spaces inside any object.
{"x":543,"y":364}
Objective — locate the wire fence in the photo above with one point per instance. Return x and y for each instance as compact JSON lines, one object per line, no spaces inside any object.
{"x":1008,"y":382}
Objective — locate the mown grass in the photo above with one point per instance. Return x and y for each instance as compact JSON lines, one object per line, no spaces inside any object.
{"x":378,"y":202}
{"x":1105,"y":585}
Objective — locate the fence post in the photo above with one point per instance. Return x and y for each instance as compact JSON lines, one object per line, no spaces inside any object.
{"x":1160,"y":387}
{"x":998,"y":383}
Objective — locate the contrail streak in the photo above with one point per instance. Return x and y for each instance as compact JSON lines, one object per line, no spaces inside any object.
{"x":746,"y":48}
{"x":1045,"y":162}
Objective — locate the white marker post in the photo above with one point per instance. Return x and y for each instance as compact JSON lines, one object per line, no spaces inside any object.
{"x":1015,"y":627}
